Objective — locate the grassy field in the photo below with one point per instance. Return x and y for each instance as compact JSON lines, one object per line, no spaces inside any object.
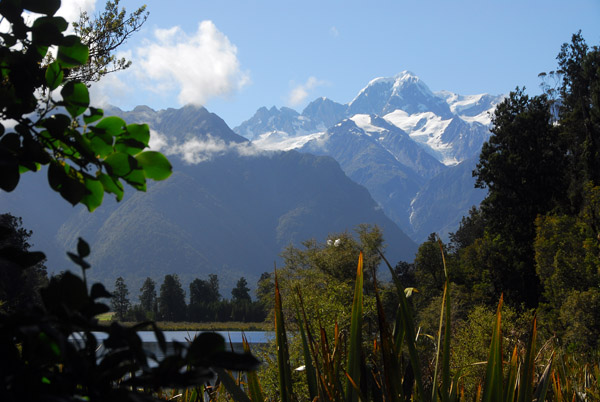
{"x":199,"y":326}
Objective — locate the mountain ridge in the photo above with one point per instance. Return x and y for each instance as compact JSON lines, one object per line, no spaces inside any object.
{"x":410,"y":122}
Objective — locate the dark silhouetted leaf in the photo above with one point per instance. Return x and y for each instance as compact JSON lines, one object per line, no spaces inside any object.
{"x":48,"y":7}
{"x":83,"y":248}
{"x":72,"y":53}
{"x":98,"y":290}
{"x":54,"y":75}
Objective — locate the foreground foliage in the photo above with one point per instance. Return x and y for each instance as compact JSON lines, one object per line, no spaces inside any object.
{"x":386,"y":365}
{"x":86,"y":154}
{"x":50,"y":352}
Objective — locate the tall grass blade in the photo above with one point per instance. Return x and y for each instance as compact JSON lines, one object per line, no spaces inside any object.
{"x":311,"y":375}
{"x":408,"y":325}
{"x":353,"y":366}
{"x":230,"y":385}
{"x":444,"y":390}
{"x":544,"y":382}
{"x":528,"y":370}
{"x":254,"y":388}
{"x":283,"y":356}
{"x":446,"y":384}
{"x":492,"y":388}
{"x":513,"y":373}
{"x":391,"y":368}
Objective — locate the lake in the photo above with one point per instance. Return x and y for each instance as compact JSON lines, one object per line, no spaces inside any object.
{"x":151,"y":345}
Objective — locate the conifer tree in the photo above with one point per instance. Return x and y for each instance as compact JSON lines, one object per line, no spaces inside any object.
{"x":120,"y":301}
{"x":171,"y":302}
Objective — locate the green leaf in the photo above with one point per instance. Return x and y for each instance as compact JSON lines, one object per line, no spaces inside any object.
{"x":48,"y":7}
{"x":129,"y":146}
{"x":112,"y":125}
{"x":99,"y":146}
{"x":95,"y":114}
{"x":93,"y":199}
{"x":136,"y":179}
{"x":139,"y":132}
{"x":71,"y":52}
{"x":111,"y":185}
{"x":156,"y":166}
{"x":120,"y":164}
{"x":54,"y":75}
{"x":76,"y":98}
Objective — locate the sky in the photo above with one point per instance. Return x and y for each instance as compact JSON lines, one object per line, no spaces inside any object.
{"x":234,"y":57}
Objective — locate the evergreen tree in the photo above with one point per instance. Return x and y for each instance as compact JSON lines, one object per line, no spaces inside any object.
{"x":579,"y":114}
{"x":241,"y":292}
{"x":171,"y":302}
{"x":213,"y":281}
{"x":120,"y":300}
{"x":523,"y":165}
{"x":148,"y":296}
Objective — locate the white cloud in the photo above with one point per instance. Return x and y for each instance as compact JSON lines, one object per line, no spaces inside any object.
{"x":300,"y":92}
{"x":198,"y":66}
{"x":157,"y":141}
{"x":70,"y":9}
{"x":334,"y":32}
{"x":197,"y":150}
{"x":110,"y":89}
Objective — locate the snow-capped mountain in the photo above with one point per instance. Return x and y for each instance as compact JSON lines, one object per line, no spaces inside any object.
{"x":394,"y":137}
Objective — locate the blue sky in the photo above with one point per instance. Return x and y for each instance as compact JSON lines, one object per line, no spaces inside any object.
{"x":236,"y":56}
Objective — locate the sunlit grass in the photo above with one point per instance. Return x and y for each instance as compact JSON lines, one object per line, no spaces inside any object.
{"x":204,"y":326}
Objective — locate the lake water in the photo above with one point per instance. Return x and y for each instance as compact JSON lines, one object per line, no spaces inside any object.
{"x":235,"y":337}
{"x":257,"y":337}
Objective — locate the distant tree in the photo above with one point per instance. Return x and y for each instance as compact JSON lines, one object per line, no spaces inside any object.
{"x":213,"y":281}
{"x":120,"y":301}
{"x":337,"y":257}
{"x":406,"y":274}
{"x":429,"y":268}
{"x":471,"y":228}
{"x":148,"y":297}
{"x":171,"y":302}
{"x":22,"y":273}
{"x":241,"y":292}
{"x":265,"y":290}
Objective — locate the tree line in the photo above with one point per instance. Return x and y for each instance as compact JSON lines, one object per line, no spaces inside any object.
{"x":169,"y":304}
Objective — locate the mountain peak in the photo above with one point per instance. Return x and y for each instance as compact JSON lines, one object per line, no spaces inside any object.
{"x":403,"y":91}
